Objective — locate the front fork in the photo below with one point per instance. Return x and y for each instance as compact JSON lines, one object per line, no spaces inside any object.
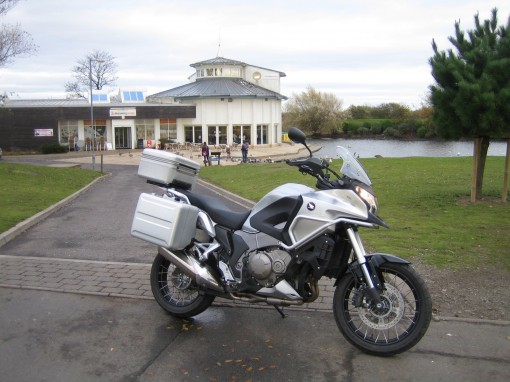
{"x":372,"y":279}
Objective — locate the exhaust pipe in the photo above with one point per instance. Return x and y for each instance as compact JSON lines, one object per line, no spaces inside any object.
{"x":192,"y":268}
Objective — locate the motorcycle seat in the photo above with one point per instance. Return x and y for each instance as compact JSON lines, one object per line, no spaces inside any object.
{"x":218,"y":211}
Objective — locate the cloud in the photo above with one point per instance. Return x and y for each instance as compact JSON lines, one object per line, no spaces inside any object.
{"x":366,"y":51}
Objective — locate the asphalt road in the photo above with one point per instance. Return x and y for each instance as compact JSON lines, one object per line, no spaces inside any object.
{"x":96,"y":226}
{"x":49,"y":336}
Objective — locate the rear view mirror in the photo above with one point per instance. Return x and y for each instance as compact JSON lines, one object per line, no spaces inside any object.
{"x":296,"y":135}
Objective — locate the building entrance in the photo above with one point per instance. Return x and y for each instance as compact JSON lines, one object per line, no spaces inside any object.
{"x":122,"y":137}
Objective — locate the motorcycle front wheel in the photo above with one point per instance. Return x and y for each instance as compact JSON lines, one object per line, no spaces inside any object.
{"x":175,"y":292}
{"x":397,"y":324}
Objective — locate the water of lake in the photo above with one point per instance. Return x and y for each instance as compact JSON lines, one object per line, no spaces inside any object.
{"x":369,"y":148}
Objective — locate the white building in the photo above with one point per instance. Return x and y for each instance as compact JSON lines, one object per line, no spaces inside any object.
{"x":234,"y":102}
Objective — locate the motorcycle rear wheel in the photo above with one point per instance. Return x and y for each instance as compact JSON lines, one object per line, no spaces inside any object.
{"x":393,"y":328}
{"x":175,"y":292}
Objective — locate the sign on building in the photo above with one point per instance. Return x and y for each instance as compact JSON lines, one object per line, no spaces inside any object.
{"x":123,"y":112}
{"x":43,"y":132}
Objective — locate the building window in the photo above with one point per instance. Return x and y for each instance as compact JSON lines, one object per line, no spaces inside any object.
{"x":97,"y":130}
{"x":222,"y":135}
{"x":262,"y":134}
{"x":232,"y":72}
{"x":193,"y":134}
{"x":217,"y":135}
{"x":68,"y":132}
{"x":219,"y":72}
{"x":241,"y":133}
{"x":168,"y":129}
{"x":95,"y":134}
{"x":144,"y":129}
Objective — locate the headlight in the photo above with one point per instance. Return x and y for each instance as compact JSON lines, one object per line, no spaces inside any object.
{"x":369,"y":198}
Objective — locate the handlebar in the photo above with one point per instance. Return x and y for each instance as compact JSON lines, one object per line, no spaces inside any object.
{"x":309,"y":165}
{"x":320,"y":170}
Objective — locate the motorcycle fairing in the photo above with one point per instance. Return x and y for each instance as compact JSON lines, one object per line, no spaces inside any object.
{"x":283,"y":191}
{"x":320,"y":211}
{"x":275,"y":219}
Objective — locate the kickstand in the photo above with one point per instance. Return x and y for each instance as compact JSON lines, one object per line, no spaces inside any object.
{"x":280,"y":310}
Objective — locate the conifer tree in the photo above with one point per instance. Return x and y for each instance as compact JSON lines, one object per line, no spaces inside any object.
{"x":471,"y":97}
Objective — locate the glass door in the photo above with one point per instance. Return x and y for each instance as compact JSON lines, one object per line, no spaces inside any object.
{"x":122,"y":137}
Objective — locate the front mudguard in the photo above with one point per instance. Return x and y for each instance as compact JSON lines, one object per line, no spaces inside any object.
{"x":374,"y":261}
{"x":378,"y":259}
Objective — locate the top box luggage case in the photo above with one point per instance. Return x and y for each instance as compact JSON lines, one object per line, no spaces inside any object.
{"x":168,"y":169}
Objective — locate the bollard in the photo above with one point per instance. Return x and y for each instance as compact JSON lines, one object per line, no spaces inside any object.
{"x":101,"y":163}
{"x":94,"y":162}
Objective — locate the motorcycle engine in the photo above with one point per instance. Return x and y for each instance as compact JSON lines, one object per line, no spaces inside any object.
{"x":266,"y":266}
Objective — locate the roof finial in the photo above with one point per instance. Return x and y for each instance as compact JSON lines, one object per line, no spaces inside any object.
{"x":218,"y":53}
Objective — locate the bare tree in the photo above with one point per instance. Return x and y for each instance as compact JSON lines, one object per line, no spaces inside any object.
{"x":314,"y":111}
{"x":13,"y":40}
{"x":6,"y":5}
{"x":98,"y":68}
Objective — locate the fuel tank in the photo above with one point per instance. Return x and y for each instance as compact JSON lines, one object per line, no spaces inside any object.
{"x":285,"y":194}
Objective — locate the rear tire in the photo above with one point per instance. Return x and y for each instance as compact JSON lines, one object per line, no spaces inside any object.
{"x":175,"y":292}
{"x":396,"y":326}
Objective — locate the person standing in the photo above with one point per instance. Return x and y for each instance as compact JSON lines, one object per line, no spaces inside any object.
{"x":244,"y":151}
{"x":206,"y":154}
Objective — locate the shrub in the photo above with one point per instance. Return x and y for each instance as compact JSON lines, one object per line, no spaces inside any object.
{"x":406,"y":127}
{"x":387,"y":123}
{"x":163,"y":142}
{"x":53,"y":148}
{"x":376,"y":129}
{"x":421,"y":132}
{"x":336,"y":130}
{"x":363,"y":130}
{"x":392,"y":132}
{"x":350,"y":128}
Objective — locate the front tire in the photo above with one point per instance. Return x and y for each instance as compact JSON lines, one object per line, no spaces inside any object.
{"x":392,"y":328}
{"x":175,"y":292}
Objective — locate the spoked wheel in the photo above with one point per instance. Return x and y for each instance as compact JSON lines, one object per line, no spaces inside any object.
{"x":175,"y":292}
{"x":396,"y":324}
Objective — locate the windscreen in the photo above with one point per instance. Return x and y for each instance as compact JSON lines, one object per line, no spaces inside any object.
{"x":351,"y":166}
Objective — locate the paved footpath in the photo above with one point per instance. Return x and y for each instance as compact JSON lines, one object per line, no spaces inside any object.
{"x":99,"y":278}
{"x":102,"y":278}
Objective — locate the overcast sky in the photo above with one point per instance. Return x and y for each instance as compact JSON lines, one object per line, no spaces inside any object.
{"x":363,"y":51}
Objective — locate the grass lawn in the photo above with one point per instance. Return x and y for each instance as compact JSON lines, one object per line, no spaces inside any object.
{"x":26,"y":190}
{"x":424,"y":200}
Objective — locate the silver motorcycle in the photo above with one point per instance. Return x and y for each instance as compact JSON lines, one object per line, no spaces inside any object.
{"x":277,"y":252}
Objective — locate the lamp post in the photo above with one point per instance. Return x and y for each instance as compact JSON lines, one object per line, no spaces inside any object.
{"x":92,"y":111}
